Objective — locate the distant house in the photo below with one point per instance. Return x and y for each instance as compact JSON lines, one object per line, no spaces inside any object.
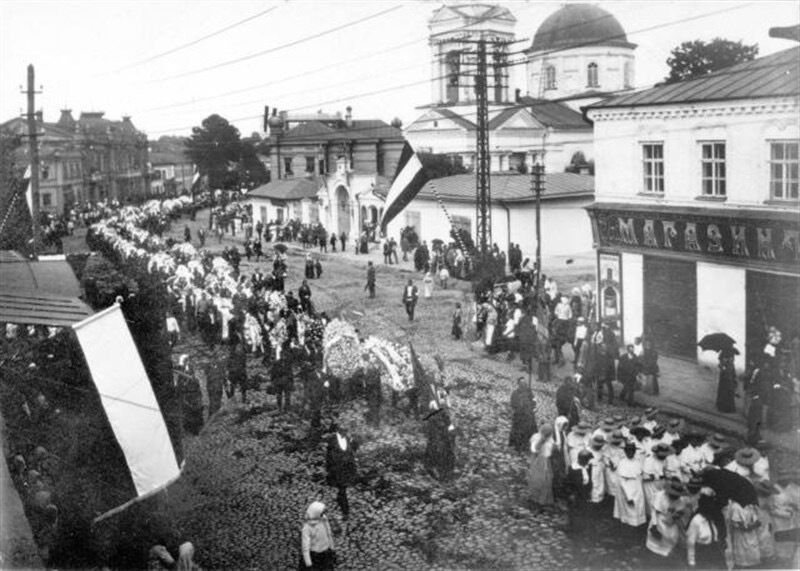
{"x":347,"y":160}
{"x":171,"y":172}
{"x":565,"y":229}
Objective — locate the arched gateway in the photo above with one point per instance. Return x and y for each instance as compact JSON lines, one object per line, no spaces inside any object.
{"x":342,"y":210}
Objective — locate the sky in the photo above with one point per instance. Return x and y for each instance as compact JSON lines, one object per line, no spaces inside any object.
{"x":121,"y":56}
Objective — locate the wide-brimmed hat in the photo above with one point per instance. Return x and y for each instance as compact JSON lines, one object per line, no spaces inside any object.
{"x":650,"y":411}
{"x":581,"y":428}
{"x":598,"y":440}
{"x":619,"y":420}
{"x":662,"y":450}
{"x":694,"y":484}
{"x":675,"y":488}
{"x":616,"y":438}
{"x":717,"y":441}
{"x":635,"y":421}
{"x":607,"y":424}
{"x":765,"y":488}
{"x":674,"y":422}
{"x":747,"y":456}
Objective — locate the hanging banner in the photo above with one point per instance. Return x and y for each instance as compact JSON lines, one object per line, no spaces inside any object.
{"x":128,"y":401}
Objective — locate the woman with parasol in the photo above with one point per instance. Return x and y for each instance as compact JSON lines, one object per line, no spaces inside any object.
{"x":723,"y":345}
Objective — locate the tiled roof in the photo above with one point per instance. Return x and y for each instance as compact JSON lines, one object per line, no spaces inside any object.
{"x":774,"y":75}
{"x":26,"y":307}
{"x":510,"y":187}
{"x":554,"y":114}
{"x":287,"y":189}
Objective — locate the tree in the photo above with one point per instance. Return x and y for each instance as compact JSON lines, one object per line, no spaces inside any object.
{"x":17,"y":232}
{"x":438,"y":165}
{"x":214,"y":147}
{"x":699,"y":58}
{"x":252,"y":172}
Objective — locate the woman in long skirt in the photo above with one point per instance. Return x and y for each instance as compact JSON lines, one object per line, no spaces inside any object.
{"x":726,"y":389}
{"x":540,"y":477}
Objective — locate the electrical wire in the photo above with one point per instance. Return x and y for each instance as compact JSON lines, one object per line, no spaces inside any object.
{"x":196,"y":41}
{"x":281,"y":46}
{"x":520,"y":62}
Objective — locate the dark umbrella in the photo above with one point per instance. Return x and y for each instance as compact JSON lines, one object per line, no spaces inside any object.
{"x":729,"y":485}
{"x":281,"y":248}
{"x":717,"y":342}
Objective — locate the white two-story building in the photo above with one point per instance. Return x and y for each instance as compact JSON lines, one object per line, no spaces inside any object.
{"x":696,"y":219}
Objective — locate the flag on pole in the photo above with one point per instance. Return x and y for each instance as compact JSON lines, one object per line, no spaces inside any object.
{"x":26,"y":180}
{"x":409,"y":179}
{"x":130,"y":405}
{"x":196,"y":176}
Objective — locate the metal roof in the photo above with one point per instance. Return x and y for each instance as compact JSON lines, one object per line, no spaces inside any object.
{"x":287,"y":189}
{"x":776,"y":75}
{"x":312,"y":132}
{"x":25,"y":307}
{"x":44,"y":276}
{"x":510,"y":187}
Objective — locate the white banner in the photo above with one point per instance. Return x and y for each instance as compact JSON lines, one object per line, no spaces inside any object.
{"x":128,"y":399}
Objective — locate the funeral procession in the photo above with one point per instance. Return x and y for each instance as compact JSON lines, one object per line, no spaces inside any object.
{"x":402,"y":285}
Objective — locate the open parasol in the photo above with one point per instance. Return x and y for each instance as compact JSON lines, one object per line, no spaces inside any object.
{"x":729,"y":485}
{"x":717,"y":342}
{"x":281,"y":248}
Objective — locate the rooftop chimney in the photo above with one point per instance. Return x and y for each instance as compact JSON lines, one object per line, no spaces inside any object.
{"x":517,"y":93}
{"x":348,"y":117}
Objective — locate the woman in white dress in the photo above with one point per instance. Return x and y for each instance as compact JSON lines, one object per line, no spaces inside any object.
{"x":540,"y":476}
{"x":629,"y":502}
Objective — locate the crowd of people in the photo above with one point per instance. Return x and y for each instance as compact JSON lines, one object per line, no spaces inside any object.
{"x":691,"y":498}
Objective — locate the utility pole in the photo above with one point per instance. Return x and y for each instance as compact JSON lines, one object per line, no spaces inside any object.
{"x":537,"y":185}
{"x":483,"y":203}
{"x":33,"y":149}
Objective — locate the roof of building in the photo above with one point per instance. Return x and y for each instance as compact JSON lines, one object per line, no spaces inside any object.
{"x":359,"y":129}
{"x":26,"y":307}
{"x":287,"y":189}
{"x":555,"y":114}
{"x":510,"y":187}
{"x":577,"y":25}
{"x":775,"y":75}
{"x":477,"y":12}
{"x":42,"y":276}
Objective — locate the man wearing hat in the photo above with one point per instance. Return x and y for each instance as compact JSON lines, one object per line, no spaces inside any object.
{"x":664,"y":530}
{"x":653,"y":474}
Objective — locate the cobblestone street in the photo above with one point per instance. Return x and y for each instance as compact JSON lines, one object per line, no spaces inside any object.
{"x":252,"y":472}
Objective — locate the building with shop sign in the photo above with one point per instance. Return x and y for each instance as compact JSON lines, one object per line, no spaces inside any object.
{"x":697,"y":220}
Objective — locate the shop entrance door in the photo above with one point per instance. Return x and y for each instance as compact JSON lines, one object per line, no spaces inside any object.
{"x":670,"y":306}
{"x":772,"y":300}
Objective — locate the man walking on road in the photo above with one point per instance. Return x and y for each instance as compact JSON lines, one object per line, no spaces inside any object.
{"x":410,"y":296}
{"x":370,"y":280}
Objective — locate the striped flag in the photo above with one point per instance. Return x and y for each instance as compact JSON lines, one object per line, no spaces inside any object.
{"x":196,"y":176}
{"x":26,"y":180}
{"x":148,"y":462}
{"x":409,"y":179}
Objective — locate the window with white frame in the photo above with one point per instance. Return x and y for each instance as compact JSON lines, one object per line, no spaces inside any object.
{"x":783,"y":170}
{"x":550,"y":77}
{"x":653,"y":167}
{"x":712,"y":164}
{"x":591,"y":75}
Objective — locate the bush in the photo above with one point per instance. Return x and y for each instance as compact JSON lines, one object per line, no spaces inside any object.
{"x":103,"y":282}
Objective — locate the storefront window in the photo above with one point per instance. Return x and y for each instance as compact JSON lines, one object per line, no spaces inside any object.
{"x":783,"y":169}
{"x":713,"y":169}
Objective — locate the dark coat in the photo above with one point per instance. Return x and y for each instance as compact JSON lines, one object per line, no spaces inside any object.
{"x":341,"y":464}
{"x":412,"y":297}
{"x":523,"y":418}
{"x":526,"y":332}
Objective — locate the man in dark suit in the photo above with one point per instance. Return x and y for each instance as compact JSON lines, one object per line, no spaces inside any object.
{"x":370,"y":279}
{"x":410,"y":296}
{"x":340,"y":462}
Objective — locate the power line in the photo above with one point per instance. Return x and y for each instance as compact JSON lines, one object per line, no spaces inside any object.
{"x":282,"y":46}
{"x":197,"y":41}
{"x":512,"y":64}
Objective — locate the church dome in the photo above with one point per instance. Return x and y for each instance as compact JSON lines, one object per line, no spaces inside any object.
{"x":578,"y":25}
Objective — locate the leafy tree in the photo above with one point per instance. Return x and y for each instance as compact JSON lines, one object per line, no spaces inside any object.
{"x":214,"y":147}
{"x":439,"y":165}
{"x":699,"y":58}
{"x":579,"y":163}
{"x":252,"y":172}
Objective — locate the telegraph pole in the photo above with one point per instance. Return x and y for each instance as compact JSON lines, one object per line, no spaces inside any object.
{"x":33,"y":149}
{"x":483,"y":203}
{"x":537,"y":184}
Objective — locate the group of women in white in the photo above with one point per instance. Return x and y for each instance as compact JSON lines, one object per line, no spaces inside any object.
{"x":698,"y":501}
